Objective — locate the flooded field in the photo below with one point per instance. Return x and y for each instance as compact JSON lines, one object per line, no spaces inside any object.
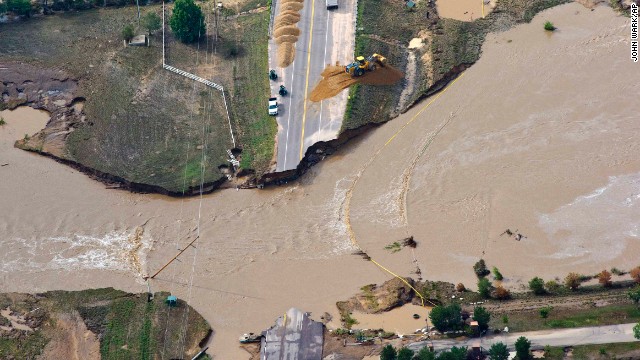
{"x":464,"y":10}
{"x":535,"y":138}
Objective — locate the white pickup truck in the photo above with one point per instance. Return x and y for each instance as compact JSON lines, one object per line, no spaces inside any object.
{"x":273,"y":106}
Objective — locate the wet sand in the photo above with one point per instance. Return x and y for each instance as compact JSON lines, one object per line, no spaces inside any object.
{"x":539,"y":128}
{"x":399,"y":320}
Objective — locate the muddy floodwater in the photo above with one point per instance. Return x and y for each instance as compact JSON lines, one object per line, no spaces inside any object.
{"x":399,"y":320}
{"x":464,"y":10}
{"x":539,"y":137}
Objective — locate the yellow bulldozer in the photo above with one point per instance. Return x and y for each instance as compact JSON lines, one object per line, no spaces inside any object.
{"x":362,"y":64}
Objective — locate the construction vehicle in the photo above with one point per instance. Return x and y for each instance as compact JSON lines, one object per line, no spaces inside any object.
{"x":362,"y":64}
{"x":283,"y":91}
{"x":273,"y":75}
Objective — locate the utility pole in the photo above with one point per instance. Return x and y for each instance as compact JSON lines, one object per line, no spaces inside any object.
{"x":138,"y":5}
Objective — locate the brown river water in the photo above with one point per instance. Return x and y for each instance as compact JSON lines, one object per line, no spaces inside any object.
{"x":537,"y":137}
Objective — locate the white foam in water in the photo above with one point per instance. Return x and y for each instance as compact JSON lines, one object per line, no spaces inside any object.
{"x":111,"y":251}
{"x":597,"y":224}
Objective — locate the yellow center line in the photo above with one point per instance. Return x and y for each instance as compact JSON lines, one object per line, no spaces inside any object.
{"x":306,"y":84}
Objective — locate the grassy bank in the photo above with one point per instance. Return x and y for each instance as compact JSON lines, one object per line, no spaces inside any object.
{"x":386,"y":27}
{"x":629,"y":350}
{"x":126,"y":325}
{"x":143,"y":123}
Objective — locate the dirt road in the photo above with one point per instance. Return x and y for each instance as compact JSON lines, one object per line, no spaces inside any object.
{"x":540,"y":140}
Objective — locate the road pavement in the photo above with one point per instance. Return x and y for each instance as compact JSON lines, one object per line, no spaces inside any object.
{"x":326,"y":37}
{"x":556,"y":337}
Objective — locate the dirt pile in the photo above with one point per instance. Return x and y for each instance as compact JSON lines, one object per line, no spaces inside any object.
{"x":375,"y":299}
{"x":335,"y":79}
{"x":285,"y":31}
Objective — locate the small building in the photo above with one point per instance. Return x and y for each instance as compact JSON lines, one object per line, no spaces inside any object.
{"x":138,"y":40}
{"x":172,"y":300}
{"x":294,"y":337}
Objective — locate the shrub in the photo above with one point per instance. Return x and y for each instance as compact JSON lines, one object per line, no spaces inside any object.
{"x":127,"y":32}
{"x":2,"y":122}
{"x":482,"y":316}
{"x":572,"y":281}
{"x":480,"y":268}
{"x":537,"y":286}
{"x":501,"y":293}
{"x":505,"y":319}
{"x":616,"y":271}
{"x":604,"y":278}
{"x":19,"y":7}
{"x":552,"y":286}
{"x":446,"y":318}
{"x":496,"y":274}
{"x":634,"y":294}
{"x":522,"y":348}
{"x":388,"y":353}
{"x":635,"y":274}
{"x":484,"y":288}
{"x":498,"y":351}
{"x":549,"y":26}
{"x":636,"y":331}
{"x":152,"y":22}
{"x":460,"y":287}
{"x":187,"y":21}
{"x":544,"y":312}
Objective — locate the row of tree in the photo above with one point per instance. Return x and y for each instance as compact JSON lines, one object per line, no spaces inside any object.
{"x":497,"y":351}
{"x":451,"y":317}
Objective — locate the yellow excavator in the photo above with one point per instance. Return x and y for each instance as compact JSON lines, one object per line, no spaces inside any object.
{"x":362,"y":64}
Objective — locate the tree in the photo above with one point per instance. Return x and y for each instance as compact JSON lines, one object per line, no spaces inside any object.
{"x":604,"y":278}
{"x":3,"y":8}
{"x":405,"y":354}
{"x":455,"y":353}
{"x":636,"y":331}
{"x":187,"y":21}
{"x":552,"y":286}
{"x":482,"y":316}
{"x":480,"y":268}
{"x":501,"y":293}
{"x":498,"y":351}
{"x":572,"y":281}
{"x":460,"y":287}
{"x":425,"y":354}
{"x":537,"y":285}
{"x":634,"y":294}
{"x":388,"y":353}
{"x":152,"y":22}
{"x":127,"y":32}
{"x":19,"y":7}
{"x":522,"y":348}
{"x":497,"y":274}
{"x":446,"y":318}
{"x":484,"y":288}
{"x":635,"y":274}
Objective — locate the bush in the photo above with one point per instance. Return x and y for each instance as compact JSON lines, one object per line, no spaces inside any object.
{"x":2,"y":122}
{"x":480,"y":268}
{"x":187,"y":21}
{"x":537,"y":286}
{"x":446,"y":318}
{"x":484,"y":288}
{"x":496,"y":274}
{"x":19,"y":7}
{"x":460,"y":287}
{"x":636,"y":331}
{"x":635,"y":274}
{"x":572,"y":281}
{"x":552,"y":286}
{"x":498,"y":351}
{"x":522,"y":348}
{"x":388,"y":353}
{"x":544,"y":312}
{"x":604,"y":278}
{"x":549,"y":26}
{"x":482,"y":316}
{"x":634,"y":294}
{"x":127,"y":33}
{"x":505,"y":319}
{"x":501,"y":293}
{"x":3,"y":8}
{"x":616,"y":271}
{"x":152,"y":22}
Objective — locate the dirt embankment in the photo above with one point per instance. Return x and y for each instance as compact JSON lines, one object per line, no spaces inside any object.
{"x":335,"y":79}
{"x":285,"y":32}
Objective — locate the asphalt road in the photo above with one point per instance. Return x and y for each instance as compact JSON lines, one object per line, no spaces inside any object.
{"x":326,"y":36}
{"x":539,"y":339}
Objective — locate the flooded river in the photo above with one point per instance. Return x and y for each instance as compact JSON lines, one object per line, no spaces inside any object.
{"x":537,"y":137}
